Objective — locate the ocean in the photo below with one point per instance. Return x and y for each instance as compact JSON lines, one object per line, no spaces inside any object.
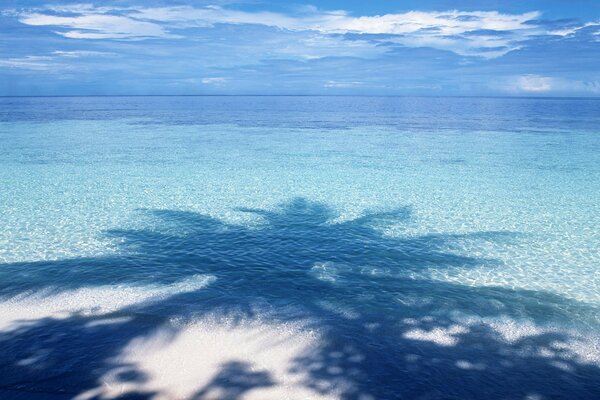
{"x":301,"y":247}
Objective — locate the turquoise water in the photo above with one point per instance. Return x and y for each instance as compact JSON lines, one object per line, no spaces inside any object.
{"x":416,"y":247}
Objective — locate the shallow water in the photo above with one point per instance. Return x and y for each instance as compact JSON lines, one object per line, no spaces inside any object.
{"x":376,"y":247}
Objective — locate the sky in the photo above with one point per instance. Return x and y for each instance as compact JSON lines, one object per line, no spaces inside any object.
{"x":430,"y":48}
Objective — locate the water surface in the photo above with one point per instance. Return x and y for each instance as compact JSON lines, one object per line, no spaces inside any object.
{"x":300,"y":247}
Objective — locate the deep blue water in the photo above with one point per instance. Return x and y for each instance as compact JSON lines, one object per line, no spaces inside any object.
{"x":424,"y":248}
{"x":317,"y":112}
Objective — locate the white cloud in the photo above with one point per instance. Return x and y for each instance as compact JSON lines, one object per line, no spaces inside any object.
{"x":442,"y":30}
{"x":78,"y":8}
{"x":214,"y":80}
{"x":447,"y":23}
{"x":572,"y":30}
{"x":316,"y":45}
{"x":52,"y":61}
{"x":82,"y":53}
{"x":342,"y":85}
{"x":98,"y":26}
{"x":486,"y":34}
{"x":207,"y":16}
{"x":534,"y":83}
{"x":35,"y":63}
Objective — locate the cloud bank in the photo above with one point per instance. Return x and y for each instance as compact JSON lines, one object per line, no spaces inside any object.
{"x":486,"y":34}
{"x":127,"y":47}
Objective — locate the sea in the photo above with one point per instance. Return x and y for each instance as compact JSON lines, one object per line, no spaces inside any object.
{"x":299,"y":247}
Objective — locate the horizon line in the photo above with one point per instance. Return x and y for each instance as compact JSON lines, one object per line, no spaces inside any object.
{"x":303,"y":95}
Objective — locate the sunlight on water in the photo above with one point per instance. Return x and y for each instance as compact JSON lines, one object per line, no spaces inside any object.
{"x":343,"y":248}
{"x":27,"y":307}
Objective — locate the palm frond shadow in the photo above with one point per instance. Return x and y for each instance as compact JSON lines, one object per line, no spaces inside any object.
{"x":346,"y":280}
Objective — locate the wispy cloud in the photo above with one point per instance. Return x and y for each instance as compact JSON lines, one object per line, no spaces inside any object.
{"x":573,"y":29}
{"x":314,"y":45}
{"x":82,"y":53}
{"x":49,"y":61}
{"x":98,"y":26}
{"x":534,"y":83}
{"x":218,"y":80}
{"x":342,"y":85}
{"x":36,"y":63}
{"x":431,"y":23}
{"x":540,"y":84}
{"x":128,"y":46}
{"x":486,"y":34}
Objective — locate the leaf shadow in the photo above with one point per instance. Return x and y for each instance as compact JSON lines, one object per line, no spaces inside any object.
{"x":386,"y":331}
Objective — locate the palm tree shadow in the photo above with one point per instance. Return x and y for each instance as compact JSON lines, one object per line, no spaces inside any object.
{"x":386,"y":331}
{"x":233,"y":380}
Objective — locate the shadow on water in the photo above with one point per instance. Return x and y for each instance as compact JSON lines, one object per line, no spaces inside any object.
{"x":362,"y":291}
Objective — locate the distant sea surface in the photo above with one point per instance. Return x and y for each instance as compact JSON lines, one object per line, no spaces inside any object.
{"x":299,"y":247}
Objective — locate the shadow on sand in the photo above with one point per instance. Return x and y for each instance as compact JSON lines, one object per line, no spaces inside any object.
{"x":360,"y":290}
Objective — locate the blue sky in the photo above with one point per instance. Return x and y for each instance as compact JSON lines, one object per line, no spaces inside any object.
{"x":437,"y":47}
